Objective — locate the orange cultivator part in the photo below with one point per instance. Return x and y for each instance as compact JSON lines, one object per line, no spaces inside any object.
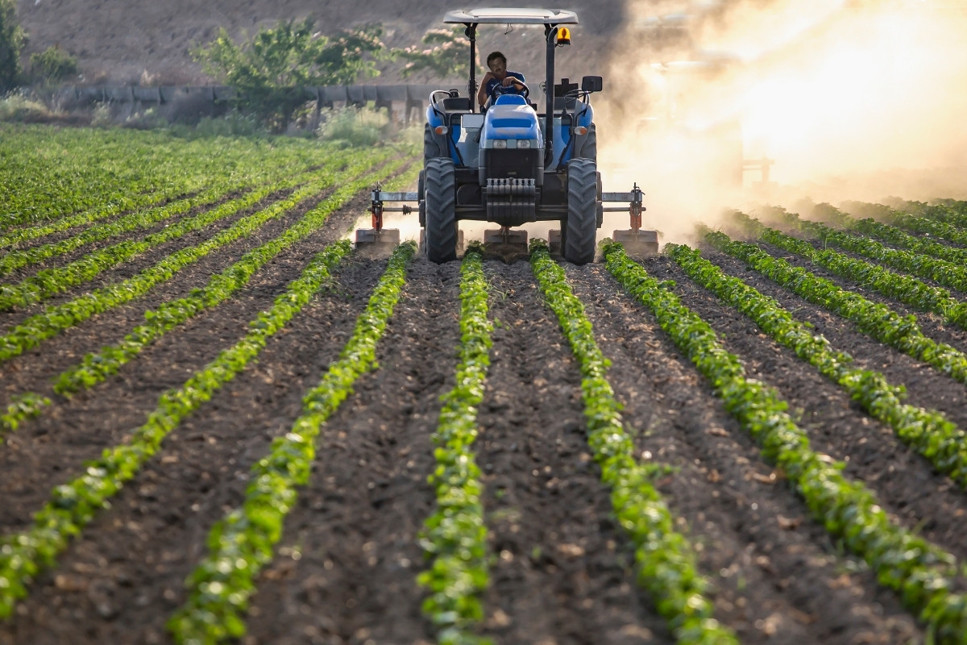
{"x":377,"y":237}
{"x":636,"y":241}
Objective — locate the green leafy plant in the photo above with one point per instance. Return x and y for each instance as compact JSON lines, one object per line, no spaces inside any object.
{"x":933,"y":435}
{"x":240,"y":544}
{"x":924,"y":575}
{"x":665,"y":559}
{"x":454,"y":537}
{"x":442,"y":56}
{"x":12,"y":40}
{"x":74,"y":504}
{"x":270,"y":70}
{"x":52,"y":65}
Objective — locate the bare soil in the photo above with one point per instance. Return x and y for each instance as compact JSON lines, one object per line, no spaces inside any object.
{"x":563,"y":572}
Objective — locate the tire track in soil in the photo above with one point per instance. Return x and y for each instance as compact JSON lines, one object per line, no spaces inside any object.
{"x":776,"y":573}
{"x":124,"y":576}
{"x":564,"y":571}
{"x":355,"y":527}
{"x":45,"y":451}
{"x":905,"y":482}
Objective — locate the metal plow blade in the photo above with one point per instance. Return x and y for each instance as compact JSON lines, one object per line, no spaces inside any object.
{"x":638,"y":243}
{"x":506,"y":244}
{"x":373,"y":243}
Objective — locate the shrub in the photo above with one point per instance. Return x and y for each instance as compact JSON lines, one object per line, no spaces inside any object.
{"x":12,"y":39}
{"x":52,"y":65}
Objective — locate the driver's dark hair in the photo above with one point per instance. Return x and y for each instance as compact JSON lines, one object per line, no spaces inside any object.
{"x":494,"y":56}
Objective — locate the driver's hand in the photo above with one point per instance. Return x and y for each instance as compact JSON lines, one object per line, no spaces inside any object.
{"x":510,"y":80}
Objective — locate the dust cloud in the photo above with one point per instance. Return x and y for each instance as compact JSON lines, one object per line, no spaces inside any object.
{"x":843,"y":100}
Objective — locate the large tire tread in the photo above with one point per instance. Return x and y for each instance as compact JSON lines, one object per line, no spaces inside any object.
{"x":581,"y":225}
{"x":440,"y":233}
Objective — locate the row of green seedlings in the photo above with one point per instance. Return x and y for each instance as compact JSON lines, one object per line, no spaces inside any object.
{"x":929,"y":432}
{"x":935,"y":226}
{"x":949,"y":211}
{"x":874,"y":319}
{"x":48,"y":282}
{"x":242,"y":543}
{"x":54,"y":319}
{"x":454,"y":537}
{"x":50,"y":173}
{"x":146,"y":207}
{"x":923,"y":574}
{"x":897,"y":237}
{"x":904,"y":288}
{"x":665,"y":558}
{"x":74,"y":505}
{"x":943,"y":272}
{"x":94,"y":367}
{"x":218,"y":188}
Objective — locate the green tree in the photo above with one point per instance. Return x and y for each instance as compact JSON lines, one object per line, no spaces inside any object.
{"x":12,"y":39}
{"x":52,"y":65}
{"x":444,"y":54}
{"x":269,"y":71}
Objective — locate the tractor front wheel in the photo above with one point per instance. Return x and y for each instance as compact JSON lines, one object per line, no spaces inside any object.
{"x":580,"y":227}
{"x":440,"y":232}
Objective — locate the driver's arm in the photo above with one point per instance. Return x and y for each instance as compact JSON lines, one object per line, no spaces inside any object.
{"x":482,"y":92}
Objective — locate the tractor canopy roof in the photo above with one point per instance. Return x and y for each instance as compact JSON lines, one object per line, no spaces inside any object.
{"x":505,"y":16}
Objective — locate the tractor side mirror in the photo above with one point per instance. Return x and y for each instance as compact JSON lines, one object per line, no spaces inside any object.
{"x":591,"y":83}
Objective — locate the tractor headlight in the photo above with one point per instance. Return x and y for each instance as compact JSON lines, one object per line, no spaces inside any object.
{"x":525,"y":143}
{"x":500,"y":144}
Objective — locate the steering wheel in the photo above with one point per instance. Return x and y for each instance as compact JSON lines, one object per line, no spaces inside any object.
{"x":510,"y":89}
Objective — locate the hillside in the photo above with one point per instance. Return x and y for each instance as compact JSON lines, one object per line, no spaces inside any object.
{"x":140,"y":41}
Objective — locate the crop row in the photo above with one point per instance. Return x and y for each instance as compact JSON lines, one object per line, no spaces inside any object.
{"x":874,"y":319}
{"x":923,"y":574}
{"x":96,"y":366}
{"x":454,"y":537}
{"x":665,"y":558}
{"x":943,"y":272}
{"x":241,"y":543}
{"x":904,"y":288}
{"x":928,"y":431}
{"x":49,"y":282}
{"x":48,"y":173}
{"x":55,"y":319}
{"x":145,"y":218}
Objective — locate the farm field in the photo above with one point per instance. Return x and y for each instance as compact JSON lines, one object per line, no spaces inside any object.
{"x":219,"y":421}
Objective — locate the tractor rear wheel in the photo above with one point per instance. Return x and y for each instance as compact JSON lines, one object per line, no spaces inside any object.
{"x":580,"y":227}
{"x":440,"y":233}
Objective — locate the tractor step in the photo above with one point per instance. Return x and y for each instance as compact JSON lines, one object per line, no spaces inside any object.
{"x":506,"y":244}
{"x":371,"y":241}
{"x":638,"y":243}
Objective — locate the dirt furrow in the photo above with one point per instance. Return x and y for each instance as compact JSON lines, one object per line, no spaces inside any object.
{"x":563,"y":570}
{"x":124,"y":576}
{"x":47,"y":450}
{"x":925,"y":385}
{"x":350,"y":553}
{"x":776,"y":573}
{"x":904,"y":481}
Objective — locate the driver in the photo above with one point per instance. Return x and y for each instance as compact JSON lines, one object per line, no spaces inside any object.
{"x":498,"y":76}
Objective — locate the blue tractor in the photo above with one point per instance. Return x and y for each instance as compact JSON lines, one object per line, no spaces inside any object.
{"x":510,"y":164}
